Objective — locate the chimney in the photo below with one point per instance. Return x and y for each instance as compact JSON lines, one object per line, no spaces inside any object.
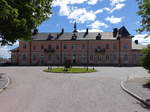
{"x":115,"y":31}
{"x":62,"y":30}
{"x":87,"y":31}
{"x":136,"y":42}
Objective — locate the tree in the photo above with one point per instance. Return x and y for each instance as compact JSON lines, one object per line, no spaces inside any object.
{"x":145,"y":60}
{"x":18,"y":18}
{"x":144,"y":12}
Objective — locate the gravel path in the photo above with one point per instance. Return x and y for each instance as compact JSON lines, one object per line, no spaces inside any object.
{"x":33,"y":90}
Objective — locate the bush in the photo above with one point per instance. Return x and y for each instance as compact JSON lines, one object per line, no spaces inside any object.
{"x":145,"y":60}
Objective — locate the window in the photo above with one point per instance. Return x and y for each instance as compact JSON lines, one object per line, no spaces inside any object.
{"x":107,"y":46}
{"x":91,"y":58}
{"x":24,"y":57}
{"x":99,"y":47}
{"x":65,"y":46}
{"x":34,"y":47}
{"x":34,"y":57}
{"x":49,"y":46}
{"x":49,"y":57}
{"x":42,"y":47}
{"x":24,"y":46}
{"x":57,"y":46}
{"x":125,"y":57}
{"x":99,"y":58}
{"x":114,"y":46}
{"x":125,"y":46}
{"x":83,"y":46}
{"x":57,"y":56}
{"x":83,"y":57}
{"x":74,"y":46}
{"x":65,"y":58}
{"x":107,"y":57}
{"x":114,"y":57}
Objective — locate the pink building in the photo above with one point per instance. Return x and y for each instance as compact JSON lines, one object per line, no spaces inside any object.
{"x":81,"y":48}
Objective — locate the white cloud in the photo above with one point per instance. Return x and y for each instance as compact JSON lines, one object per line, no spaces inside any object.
{"x":117,"y":7}
{"x":81,"y":15}
{"x":91,"y":30}
{"x":71,"y":2}
{"x":142,"y":39}
{"x":114,"y":20}
{"x":73,"y":13}
{"x":97,"y":25}
{"x":113,"y":2}
{"x":99,"y":11}
{"x":92,"y":2}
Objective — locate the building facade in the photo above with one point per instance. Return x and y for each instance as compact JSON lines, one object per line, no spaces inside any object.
{"x":81,"y":48}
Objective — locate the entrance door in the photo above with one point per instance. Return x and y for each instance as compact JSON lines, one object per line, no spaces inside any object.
{"x":74,"y":59}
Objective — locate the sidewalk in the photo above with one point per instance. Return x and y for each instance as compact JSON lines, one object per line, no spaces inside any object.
{"x":137,"y":87}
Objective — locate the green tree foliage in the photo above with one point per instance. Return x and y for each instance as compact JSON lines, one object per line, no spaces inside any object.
{"x":144,"y":12}
{"x":18,"y":18}
{"x":145,"y":60}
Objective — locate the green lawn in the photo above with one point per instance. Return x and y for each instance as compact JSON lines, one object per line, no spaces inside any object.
{"x":70,"y":70}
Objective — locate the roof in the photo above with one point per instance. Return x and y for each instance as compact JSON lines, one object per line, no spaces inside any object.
{"x":68,"y":36}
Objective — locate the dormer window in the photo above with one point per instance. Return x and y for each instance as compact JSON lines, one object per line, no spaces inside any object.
{"x":98,"y":37}
{"x":49,"y":36}
{"x":74,"y":37}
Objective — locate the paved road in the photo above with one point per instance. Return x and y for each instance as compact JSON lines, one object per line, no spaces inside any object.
{"x":33,"y":90}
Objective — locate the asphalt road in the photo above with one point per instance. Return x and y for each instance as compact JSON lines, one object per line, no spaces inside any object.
{"x":32,"y":90}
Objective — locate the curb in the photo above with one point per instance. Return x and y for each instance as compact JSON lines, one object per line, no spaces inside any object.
{"x":133,"y":94}
{"x":6,"y":85}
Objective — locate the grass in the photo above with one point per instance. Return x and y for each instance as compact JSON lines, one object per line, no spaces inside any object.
{"x":70,"y":70}
{"x":148,"y":81}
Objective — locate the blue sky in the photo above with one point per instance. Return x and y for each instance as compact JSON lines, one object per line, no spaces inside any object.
{"x":97,"y":15}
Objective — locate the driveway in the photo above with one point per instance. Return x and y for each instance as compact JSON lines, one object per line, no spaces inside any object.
{"x":33,"y":90}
